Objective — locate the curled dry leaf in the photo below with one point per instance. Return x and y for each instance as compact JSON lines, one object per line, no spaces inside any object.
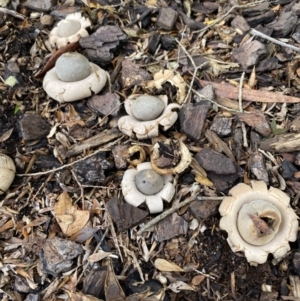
{"x":98,"y":256}
{"x":167,"y":266}
{"x":78,"y":296}
{"x":83,"y":234}
{"x":52,"y":60}
{"x":69,"y":218}
{"x":136,"y":155}
{"x":178,"y":286}
{"x":6,"y":135}
{"x":176,"y":151}
{"x":172,"y":77}
{"x":112,"y":287}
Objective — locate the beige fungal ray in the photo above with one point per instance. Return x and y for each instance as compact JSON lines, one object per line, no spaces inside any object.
{"x":7,"y":172}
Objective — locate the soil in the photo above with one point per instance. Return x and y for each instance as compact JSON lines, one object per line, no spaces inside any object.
{"x":66,"y":232}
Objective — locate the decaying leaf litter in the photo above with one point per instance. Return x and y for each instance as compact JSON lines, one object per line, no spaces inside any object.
{"x":230,"y":71}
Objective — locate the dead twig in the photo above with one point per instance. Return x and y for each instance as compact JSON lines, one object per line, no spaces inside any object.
{"x":175,"y":208}
{"x":96,"y":249}
{"x":245,"y":143}
{"x":81,"y":189}
{"x":212,"y":101}
{"x":135,"y":262}
{"x":255,"y":32}
{"x":104,"y":149}
{"x":195,"y":69}
{"x":226,"y":14}
{"x":241,"y":92}
{"x":231,"y":92}
{"x":54,"y":57}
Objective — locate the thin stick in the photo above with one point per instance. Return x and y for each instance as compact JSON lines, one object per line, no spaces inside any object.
{"x":255,"y":32}
{"x":195,"y":70}
{"x":12,"y":13}
{"x":96,"y":249}
{"x":245,"y":143}
{"x":241,"y":92}
{"x":175,"y":208}
{"x":81,"y":189}
{"x":105,"y":149}
{"x":226,"y":14}
{"x":212,"y":101}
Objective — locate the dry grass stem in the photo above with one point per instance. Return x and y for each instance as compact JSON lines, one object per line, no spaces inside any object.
{"x":226,"y":14}
{"x":104,"y":149}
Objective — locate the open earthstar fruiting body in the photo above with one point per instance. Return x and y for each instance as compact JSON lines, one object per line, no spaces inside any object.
{"x":7,"y":172}
{"x":73,"y":78}
{"x":258,"y":221}
{"x":145,"y":114}
{"x":69,"y":30}
{"x":143,"y":184}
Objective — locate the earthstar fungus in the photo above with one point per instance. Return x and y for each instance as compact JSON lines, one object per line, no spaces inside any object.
{"x":7,"y":172}
{"x":145,"y":114}
{"x":69,"y":30}
{"x":73,"y":78}
{"x":143,"y":184}
{"x":258,"y":221}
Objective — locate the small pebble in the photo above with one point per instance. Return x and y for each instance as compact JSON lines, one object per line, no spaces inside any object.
{"x":147,"y":108}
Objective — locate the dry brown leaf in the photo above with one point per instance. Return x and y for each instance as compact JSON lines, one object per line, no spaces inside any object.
{"x":167,"y":266}
{"x":113,"y":290}
{"x":252,"y":79}
{"x":6,"y":135}
{"x":228,"y":91}
{"x":83,"y":234}
{"x":37,"y":222}
{"x":178,"y":286}
{"x":69,"y":218}
{"x":51,"y":62}
{"x":218,"y":68}
{"x":198,"y":169}
{"x":98,"y":256}
{"x":64,"y":205}
{"x":71,"y":285}
{"x":28,"y":278}
{"x":72,"y":117}
{"x":262,"y":227}
{"x":81,"y":297}
{"x":218,"y":144}
{"x":203,"y":180}
{"x":9,"y":224}
{"x":23,"y":273}
{"x":198,"y":279}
